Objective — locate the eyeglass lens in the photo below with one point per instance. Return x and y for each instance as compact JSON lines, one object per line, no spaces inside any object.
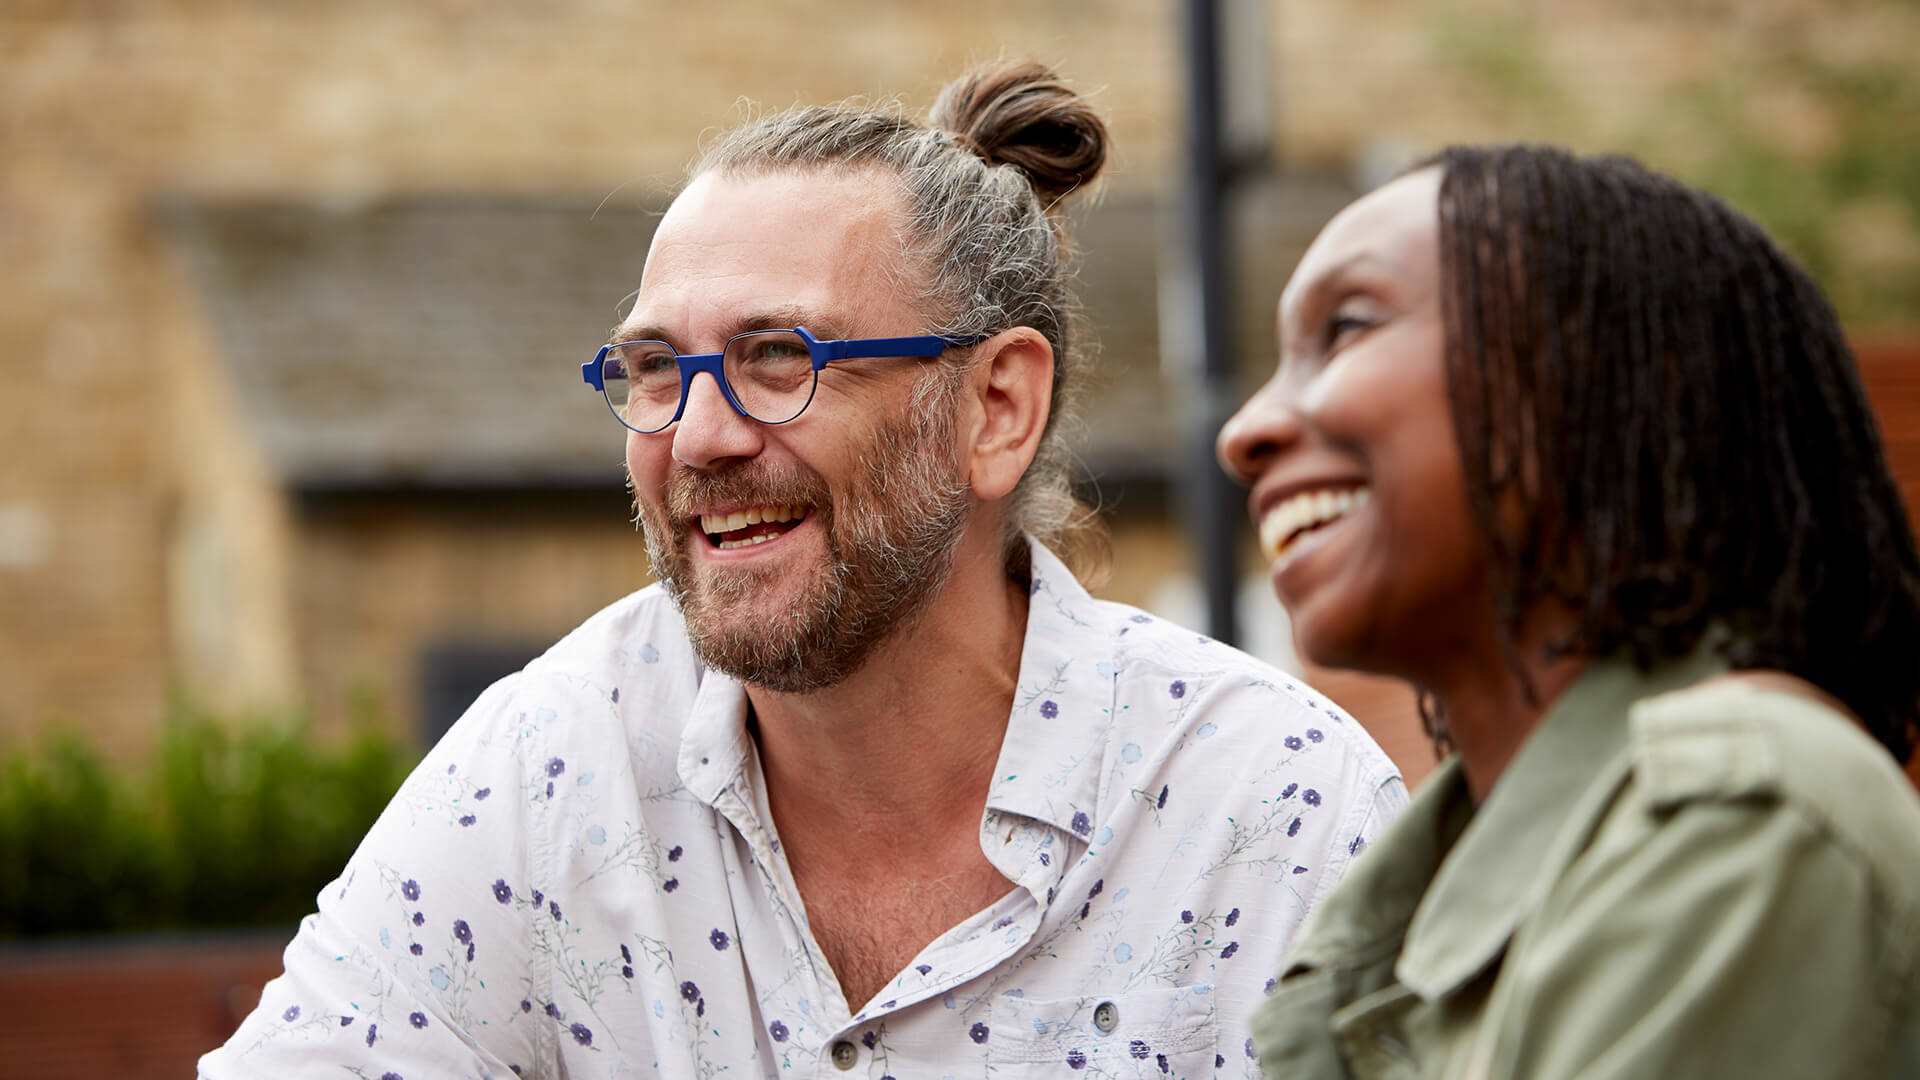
{"x":770,"y":373}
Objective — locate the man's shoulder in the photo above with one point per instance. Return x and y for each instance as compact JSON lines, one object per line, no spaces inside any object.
{"x":628,"y":665}
{"x":642,"y":628}
{"x":1170,"y":677}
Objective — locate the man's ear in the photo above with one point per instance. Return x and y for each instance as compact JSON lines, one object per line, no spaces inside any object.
{"x":1012,"y":395}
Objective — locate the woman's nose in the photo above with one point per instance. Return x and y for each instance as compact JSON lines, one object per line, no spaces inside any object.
{"x":1255,"y":435}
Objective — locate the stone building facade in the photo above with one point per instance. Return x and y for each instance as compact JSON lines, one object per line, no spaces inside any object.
{"x":172,"y":175}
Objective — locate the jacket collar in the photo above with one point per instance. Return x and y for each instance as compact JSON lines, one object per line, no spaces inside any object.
{"x":1533,"y":822}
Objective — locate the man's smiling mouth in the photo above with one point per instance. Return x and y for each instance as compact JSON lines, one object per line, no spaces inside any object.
{"x":750,"y":525}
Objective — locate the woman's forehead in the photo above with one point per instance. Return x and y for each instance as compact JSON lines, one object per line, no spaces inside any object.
{"x":1393,"y":228}
{"x":1396,"y":215}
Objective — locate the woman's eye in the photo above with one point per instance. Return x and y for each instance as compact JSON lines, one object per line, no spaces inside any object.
{"x":1343,"y":326}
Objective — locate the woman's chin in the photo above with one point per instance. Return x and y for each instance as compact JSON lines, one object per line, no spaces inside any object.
{"x":1328,"y":642}
{"x":1343,"y":640}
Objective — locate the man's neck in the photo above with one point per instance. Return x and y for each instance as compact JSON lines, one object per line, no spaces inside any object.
{"x":913,"y":736}
{"x":877,"y":785}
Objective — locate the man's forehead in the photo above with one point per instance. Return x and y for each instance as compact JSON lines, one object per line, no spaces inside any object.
{"x":837,"y":213}
{"x":735,"y":248}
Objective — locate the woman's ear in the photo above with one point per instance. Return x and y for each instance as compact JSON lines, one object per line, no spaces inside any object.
{"x":1011,"y":398}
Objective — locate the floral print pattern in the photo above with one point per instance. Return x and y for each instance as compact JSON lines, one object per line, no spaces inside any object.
{"x":582,"y":879}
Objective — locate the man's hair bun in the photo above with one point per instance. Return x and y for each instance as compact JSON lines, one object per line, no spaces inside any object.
{"x":1021,"y":114}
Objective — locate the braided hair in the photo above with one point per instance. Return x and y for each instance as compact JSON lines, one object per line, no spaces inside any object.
{"x":1663,"y":429}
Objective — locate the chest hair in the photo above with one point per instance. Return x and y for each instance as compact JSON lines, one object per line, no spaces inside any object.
{"x":870,"y":930}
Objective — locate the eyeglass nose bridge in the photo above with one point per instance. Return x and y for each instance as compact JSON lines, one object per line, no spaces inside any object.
{"x":713,"y":364}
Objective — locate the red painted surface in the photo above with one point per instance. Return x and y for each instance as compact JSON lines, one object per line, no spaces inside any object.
{"x":127,"y":1011}
{"x":1891,"y":370}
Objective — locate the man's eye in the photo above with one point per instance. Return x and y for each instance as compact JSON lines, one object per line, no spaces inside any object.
{"x":773,"y":353}
{"x":642,"y":364}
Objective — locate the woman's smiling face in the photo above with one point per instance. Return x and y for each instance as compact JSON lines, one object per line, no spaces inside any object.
{"x":1350,"y":450}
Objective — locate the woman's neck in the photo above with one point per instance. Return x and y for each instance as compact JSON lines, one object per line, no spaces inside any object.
{"x":1493,"y":698}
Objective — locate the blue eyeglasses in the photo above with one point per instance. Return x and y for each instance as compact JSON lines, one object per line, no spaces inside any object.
{"x":766,"y":375}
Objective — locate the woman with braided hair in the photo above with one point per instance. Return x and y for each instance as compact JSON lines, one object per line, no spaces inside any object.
{"x":1575,"y":450}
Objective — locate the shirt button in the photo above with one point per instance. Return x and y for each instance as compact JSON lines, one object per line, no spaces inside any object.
{"x":845,"y":1055}
{"x":1106,"y":1017}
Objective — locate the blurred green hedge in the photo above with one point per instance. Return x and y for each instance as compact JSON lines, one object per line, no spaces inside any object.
{"x":229,"y":824}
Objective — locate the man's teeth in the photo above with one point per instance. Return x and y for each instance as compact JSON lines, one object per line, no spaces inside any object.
{"x":1307,"y":510}
{"x":715,"y":525}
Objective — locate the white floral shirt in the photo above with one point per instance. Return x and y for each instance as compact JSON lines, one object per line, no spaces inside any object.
{"x":582,"y":878}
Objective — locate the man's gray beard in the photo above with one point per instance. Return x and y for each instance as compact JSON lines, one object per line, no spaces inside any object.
{"x":889,"y":552}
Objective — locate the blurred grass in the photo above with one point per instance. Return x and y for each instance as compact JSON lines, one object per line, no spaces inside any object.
{"x":1822,"y":149}
{"x":1853,"y":212}
{"x":231,"y":823}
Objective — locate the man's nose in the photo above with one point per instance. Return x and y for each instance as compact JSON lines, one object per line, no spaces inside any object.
{"x":709,"y":432}
{"x":1264,"y":427}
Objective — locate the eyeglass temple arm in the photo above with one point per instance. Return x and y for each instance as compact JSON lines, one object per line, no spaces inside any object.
{"x":869,"y":348}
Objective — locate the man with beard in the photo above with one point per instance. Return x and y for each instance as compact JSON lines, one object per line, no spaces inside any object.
{"x":868,"y":783}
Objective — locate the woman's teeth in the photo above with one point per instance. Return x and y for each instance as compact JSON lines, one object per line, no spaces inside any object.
{"x":1287,"y":521}
{"x":718,"y":525}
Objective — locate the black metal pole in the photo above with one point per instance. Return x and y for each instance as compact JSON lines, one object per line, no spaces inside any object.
{"x":1213,"y":501}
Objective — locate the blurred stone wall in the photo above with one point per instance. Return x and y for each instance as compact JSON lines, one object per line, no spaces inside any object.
{"x":108,"y":415}
{"x":119,"y":452}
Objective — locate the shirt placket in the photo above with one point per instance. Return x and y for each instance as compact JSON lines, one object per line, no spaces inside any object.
{"x":964,"y":954}
{"x":739,"y":803}
{"x":970,"y":952}
{"x":847,"y":1043}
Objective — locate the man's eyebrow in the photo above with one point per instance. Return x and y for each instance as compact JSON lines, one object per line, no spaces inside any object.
{"x":784,"y":317}
{"x":629,"y":332}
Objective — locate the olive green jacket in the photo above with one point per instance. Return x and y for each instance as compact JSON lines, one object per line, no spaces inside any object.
{"x":1669,"y":880}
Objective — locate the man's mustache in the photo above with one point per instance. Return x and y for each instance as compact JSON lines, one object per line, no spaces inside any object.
{"x":689,"y":491}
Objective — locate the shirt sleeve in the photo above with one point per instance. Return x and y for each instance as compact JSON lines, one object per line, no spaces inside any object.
{"x":1389,"y":801}
{"x":1378,"y":798}
{"x":1716,"y":938}
{"x":420,"y":961}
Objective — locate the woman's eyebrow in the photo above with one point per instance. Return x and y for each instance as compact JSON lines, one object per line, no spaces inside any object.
{"x":1313,"y":296}
{"x":1347,"y":269}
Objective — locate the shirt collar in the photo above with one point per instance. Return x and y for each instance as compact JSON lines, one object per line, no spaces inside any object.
{"x":1514,"y":847}
{"x":1049,"y":765}
{"x":1060,"y":702}
{"x":714,"y":745}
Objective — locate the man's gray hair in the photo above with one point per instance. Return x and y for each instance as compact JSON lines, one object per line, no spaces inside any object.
{"x":985,"y":244}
